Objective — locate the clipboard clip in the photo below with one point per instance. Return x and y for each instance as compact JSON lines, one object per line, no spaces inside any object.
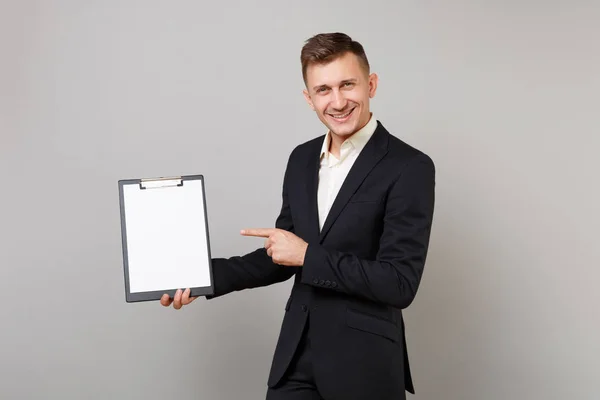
{"x":156,"y":183}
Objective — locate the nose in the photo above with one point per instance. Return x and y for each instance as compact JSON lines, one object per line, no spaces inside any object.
{"x":339,"y":101}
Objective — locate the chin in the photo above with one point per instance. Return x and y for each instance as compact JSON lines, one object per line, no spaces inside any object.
{"x":345,"y":129}
{"x":342,"y":128}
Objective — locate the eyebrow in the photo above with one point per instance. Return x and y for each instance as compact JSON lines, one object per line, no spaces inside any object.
{"x":351,"y":80}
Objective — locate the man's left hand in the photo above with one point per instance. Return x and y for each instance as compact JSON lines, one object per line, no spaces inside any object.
{"x":282,"y":246}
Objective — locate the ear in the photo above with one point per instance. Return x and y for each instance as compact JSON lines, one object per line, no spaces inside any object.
{"x":308,"y":99}
{"x":373,"y":81}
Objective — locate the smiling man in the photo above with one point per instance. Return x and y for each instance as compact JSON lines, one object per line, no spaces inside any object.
{"x":353,"y":231}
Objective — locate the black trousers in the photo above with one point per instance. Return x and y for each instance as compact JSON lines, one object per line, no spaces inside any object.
{"x":298,"y":382}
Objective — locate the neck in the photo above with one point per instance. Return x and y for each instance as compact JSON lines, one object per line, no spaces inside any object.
{"x":336,"y":144}
{"x":337,"y":140}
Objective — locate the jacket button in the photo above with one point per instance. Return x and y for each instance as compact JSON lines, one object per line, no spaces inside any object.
{"x":333,"y":284}
{"x":304,"y":308}
{"x":315,"y":281}
{"x":322,"y":282}
{"x":327,"y":283}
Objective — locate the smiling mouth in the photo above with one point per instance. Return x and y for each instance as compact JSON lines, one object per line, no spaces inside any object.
{"x":341,"y":117}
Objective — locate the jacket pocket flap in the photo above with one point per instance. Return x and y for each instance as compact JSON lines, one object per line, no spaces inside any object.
{"x":365,"y":198}
{"x":372,"y":324}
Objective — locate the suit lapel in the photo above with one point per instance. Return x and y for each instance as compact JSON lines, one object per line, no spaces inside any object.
{"x":370,"y":155}
{"x":311,"y":185}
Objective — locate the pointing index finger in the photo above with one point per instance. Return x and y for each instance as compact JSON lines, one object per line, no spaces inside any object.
{"x":259,"y":232}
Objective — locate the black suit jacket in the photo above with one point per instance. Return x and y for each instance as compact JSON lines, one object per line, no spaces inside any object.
{"x":360,"y":271}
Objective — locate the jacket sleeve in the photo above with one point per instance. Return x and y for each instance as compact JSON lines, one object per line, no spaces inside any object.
{"x":254,"y":269}
{"x":394,"y":275}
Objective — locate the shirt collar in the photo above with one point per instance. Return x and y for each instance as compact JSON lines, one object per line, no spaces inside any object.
{"x":357,"y":141}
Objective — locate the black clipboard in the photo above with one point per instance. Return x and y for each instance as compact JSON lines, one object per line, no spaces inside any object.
{"x":165,"y":237}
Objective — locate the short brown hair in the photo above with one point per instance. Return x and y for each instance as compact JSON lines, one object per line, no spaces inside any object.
{"x":326,"y":47}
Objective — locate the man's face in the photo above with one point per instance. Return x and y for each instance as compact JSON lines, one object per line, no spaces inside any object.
{"x":339,"y":93}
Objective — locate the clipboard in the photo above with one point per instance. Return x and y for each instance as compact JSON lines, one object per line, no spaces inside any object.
{"x":165,"y":238}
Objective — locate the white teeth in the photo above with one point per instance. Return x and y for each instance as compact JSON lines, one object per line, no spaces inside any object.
{"x":341,"y":116}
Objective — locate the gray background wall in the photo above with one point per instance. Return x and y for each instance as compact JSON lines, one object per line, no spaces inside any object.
{"x":503,"y":95}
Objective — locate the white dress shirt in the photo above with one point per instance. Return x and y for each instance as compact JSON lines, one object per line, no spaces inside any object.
{"x":333,"y":171}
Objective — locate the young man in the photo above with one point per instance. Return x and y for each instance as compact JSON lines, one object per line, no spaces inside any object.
{"x":353,"y":231}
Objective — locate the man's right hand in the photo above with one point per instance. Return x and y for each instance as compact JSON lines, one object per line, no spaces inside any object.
{"x":179,"y":300}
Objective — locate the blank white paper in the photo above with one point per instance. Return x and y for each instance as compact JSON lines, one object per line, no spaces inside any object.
{"x":167,"y":245}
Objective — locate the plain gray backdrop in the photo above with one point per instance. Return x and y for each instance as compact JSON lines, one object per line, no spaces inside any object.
{"x":504,"y":96}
